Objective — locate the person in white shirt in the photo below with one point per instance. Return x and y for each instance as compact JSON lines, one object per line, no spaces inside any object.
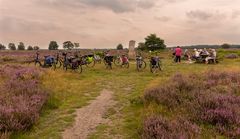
{"x":212,"y":55}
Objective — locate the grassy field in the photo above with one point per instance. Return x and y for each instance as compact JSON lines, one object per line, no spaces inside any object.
{"x":70,"y":91}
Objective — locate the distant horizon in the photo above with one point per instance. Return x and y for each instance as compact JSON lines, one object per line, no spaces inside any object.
{"x":61,"y":48}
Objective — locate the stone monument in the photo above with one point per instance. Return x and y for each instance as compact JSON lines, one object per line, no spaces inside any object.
{"x":131,"y":53}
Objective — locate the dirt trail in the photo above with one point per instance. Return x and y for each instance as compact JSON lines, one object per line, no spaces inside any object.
{"x":89,"y":117}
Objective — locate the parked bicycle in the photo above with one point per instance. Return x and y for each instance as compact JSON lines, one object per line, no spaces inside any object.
{"x":140,"y":63}
{"x":72,"y":63}
{"x":58,"y":61}
{"x":117,"y":60}
{"x":97,"y":59}
{"x":108,"y":62}
{"x":48,"y":62}
{"x":87,"y":60}
{"x":124,"y":61}
{"x":155,"y":64}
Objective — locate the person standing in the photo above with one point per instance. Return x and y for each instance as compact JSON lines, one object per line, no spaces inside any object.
{"x":178,"y":53}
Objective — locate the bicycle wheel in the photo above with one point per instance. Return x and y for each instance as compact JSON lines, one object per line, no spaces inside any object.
{"x":141,"y":65}
{"x":160,"y":67}
{"x":108,"y":65}
{"x":125,"y":65}
{"x":53,"y":66}
{"x":153,"y":68}
{"x":117,"y":62}
{"x":78,"y":69}
{"x":91,"y":64}
{"x":38,"y":64}
{"x":58,"y":64}
{"x":66,"y":66}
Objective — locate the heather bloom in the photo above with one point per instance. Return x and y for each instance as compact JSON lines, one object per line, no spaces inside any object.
{"x":211,"y":99}
{"x":21,"y":98}
{"x":157,"y":127}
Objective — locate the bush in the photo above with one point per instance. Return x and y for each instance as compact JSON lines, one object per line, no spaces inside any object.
{"x":231,"y":56}
{"x":160,"y":128}
{"x":21,"y":98}
{"x":210,"y":99}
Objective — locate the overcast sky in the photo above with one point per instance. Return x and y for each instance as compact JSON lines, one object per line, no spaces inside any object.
{"x":105,"y":23}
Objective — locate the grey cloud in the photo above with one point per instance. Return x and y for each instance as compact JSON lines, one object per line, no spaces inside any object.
{"x":163,"y":18}
{"x":206,"y":15}
{"x":235,"y":14}
{"x":117,"y":6}
{"x":197,"y":14}
{"x":13,"y":24}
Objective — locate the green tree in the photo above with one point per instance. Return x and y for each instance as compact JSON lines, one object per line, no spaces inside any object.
{"x":53,"y":45}
{"x":152,"y":42}
{"x":35,"y":48}
{"x":225,"y":46}
{"x":76,"y":45}
{"x":21,"y":46}
{"x":12,"y":46}
{"x":141,"y":46}
{"x":2,"y":47}
{"x":30,"y":47}
{"x":68,"y":45}
{"x":120,"y":47}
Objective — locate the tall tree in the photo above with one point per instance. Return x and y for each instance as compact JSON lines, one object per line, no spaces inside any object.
{"x":225,"y":46}
{"x":141,"y":46}
{"x":53,"y":45}
{"x":152,"y":42}
{"x":30,"y":47}
{"x":120,"y":47}
{"x":68,"y":45}
{"x":2,"y":47}
{"x":76,"y":45}
{"x":11,"y":46}
{"x":35,"y":48}
{"x":21,"y":46}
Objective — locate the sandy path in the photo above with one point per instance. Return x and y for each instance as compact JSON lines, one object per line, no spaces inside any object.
{"x":89,"y":117}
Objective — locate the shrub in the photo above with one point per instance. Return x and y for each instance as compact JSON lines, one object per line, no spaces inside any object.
{"x":21,"y":98}
{"x":231,"y":56}
{"x":209,"y":99}
{"x":160,"y":128}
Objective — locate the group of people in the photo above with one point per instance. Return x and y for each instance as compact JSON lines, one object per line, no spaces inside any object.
{"x":202,"y":55}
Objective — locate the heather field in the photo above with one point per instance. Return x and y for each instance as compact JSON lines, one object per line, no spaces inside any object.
{"x":185,"y":101}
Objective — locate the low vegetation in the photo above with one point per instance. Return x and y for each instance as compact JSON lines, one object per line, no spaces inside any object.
{"x":204,"y":100}
{"x":200,"y":101}
{"x":21,"y":99}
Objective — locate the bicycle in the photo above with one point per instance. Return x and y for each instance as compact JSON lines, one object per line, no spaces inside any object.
{"x":124,"y":62}
{"x":108,"y":62}
{"x":73,"y":64}
{"x":117,"y":61}
{"x":88,"y":60}
{"x":48,"y":62}
{"x":36,"y":60}
{"x":58,"y":61}
{"x":140,"y":63}
{"x":97,"y":59}
{"x":155,"y":64}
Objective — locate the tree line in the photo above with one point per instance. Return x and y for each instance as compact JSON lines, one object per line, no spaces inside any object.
{"x":52,"y":46}
{"x":20,"y":46}
{"x":152,"y":43}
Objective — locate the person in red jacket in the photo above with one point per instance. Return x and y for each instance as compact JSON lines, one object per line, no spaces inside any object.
{"x":178,"y":53}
